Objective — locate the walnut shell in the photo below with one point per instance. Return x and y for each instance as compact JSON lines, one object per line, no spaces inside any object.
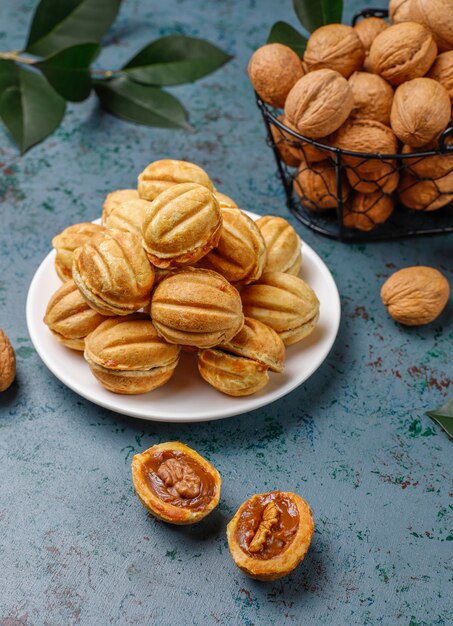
{"x":316,"y":186}
{"x":415,"y":295}
{"x":367,"y":30}
{"x":442,"y":71}
{"x":425,"y":195}
{"x":373,"y":97}
{"x":336,"y":47}
{"x":368,"y":175}
{"x":7,"y":362}
{"x":431,"y":166}
{"x":304,"y":150}
{"x":319,"y":103}
{"x":402,"y":52}
{"x":273,"y":70}
{"x":437,"y":17}
{"x":161,"y":175}
{"x":400,"y":11}
{"x":420,"y":111}
{"x":368,"y":210}
{"x":283,"y":143}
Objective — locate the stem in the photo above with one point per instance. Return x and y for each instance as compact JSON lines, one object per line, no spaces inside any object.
{"x":14,"y":55}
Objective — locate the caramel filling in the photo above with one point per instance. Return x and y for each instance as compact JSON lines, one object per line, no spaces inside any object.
{"x":180,"y":480}
{"x":267,"y":525}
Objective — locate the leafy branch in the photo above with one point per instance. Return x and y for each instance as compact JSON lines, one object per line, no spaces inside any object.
{"x":55,"y":67}
{"x":311,"y":15}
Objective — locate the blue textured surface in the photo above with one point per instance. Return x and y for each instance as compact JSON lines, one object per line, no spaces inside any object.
{"x":76,"y":547}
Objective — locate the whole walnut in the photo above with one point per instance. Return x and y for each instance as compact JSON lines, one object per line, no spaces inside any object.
{"x":316,"y":186}
{"x":425,"y":194}
{"x":400,"y":11}
{"x":335,"y":47}
{"x":367,"y":210}
{"x":442,"y":71}
{"x":306,"y":151}
{"x":319,"y":103}
{"x":402,"y":52}
{"x":428,"y":166}
{"x":415,"y":295}
{"x":284,"y":143}
{"x":7,"y":362}
{"x":365,"y":174}
{"x":373,"y":97}
{"x":436,"y":16}
{"x":273,"y":70}
{"x":367,"y":30}
{"x":420,"y":111}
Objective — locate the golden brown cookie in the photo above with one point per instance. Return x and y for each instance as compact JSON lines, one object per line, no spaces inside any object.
{"x":285,"y":303}
{"x":128,"y":216}
{"x":282,"y":243}
{"x":181,"y":225}
{"x":159,"y":176}
{"x":270,"y":534}
{"x":225,"y":202}
{"x":240,"y":253}
{"x":115,"y":198}
{"x":175,"y":483}
{"x":68,"y":241}
{"x":127,"y":355}
{"x":113,"y":273}
{"x":196,"y":307}
{"x":70,"y":318}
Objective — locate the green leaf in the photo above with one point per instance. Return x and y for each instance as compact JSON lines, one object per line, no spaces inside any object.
{"x":9,"y":76}
{"x":141,"y":104}
{"x":444,"y":417}
{"x":68,"y":71}
{"x":174,"y":60}
{"x":284,"y":33}
{"x":30,"y":108}
{"x":315,"y":13}
{"x":59,"y":24}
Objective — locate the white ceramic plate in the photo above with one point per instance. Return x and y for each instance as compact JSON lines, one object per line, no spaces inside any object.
{"x":186,"y":397}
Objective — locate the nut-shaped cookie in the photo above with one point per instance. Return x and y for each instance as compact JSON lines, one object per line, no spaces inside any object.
{"x":335,"y":47}
{"x":196,"y":307}
{"x":319,"y":103}
{"x":282,"y":242}
{"x":368,"y":175}
{"x":181,"y":225}
{"x":69,"y":318}
{"x":175,"y":483}
{"x":161,"y":175}
{"x":240,"y":253}
{"x":420,"y":111}
{"x":127,"y":356}
{"x":273,"y":70}
{"x":225,"y":202}
{"x":113,"y":273}
{"x":442,"y":71}
{"x":400,"y":11}
{"x":415,"y":295}
{"x":115,"y":198}
{"x":402,"y":52}
{"x":285,"y":303}
{"x":373,"y":97}
{"x":68,"y":241}
{"x":367,"y":210}
{"x":367,"y":30}
{"x":270,"y":534}
{"x":437,"y":17}
{"x":425,"y":194}
{"x":128,"y":216}
{"x":232,"y":375}
{"x":316,"y":185}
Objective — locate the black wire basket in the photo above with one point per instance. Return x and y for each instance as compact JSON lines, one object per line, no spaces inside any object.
{"x":355,"y":196}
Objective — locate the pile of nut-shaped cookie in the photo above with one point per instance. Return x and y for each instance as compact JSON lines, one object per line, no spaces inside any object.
{"x":376,"y":88}
{"x":176,"y":265}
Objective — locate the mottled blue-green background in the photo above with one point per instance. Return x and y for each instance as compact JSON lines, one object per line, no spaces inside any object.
{"x":76,"y":546}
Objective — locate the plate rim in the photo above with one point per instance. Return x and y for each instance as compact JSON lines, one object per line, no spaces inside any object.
{"x":177,"y":417}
